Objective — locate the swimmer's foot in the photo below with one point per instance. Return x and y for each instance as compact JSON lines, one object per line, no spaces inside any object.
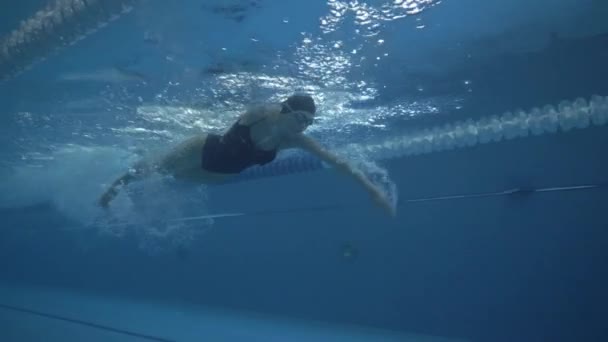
{"x":106,"y":198}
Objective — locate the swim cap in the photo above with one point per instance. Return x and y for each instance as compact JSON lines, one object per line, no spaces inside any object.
{"x":301,"y":102}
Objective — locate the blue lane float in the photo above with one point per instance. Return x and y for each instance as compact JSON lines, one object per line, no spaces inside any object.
{"x":61,"y":23}
{"x":567,"y":116}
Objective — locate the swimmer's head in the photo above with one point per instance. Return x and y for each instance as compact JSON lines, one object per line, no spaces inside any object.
{"x":301,"y":109}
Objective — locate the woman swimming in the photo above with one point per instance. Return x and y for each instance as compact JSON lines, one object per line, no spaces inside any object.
{"x":254,"y":139}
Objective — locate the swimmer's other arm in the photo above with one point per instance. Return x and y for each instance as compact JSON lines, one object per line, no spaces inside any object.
{"x":308,"y":144}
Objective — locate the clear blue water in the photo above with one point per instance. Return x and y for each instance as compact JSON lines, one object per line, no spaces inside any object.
{"x":500,"y":233}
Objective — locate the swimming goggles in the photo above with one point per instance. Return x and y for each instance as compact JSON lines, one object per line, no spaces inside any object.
{"x":303,"y":117}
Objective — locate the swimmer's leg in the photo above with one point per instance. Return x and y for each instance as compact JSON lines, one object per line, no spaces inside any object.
{"x":139,"y":171}
{"x":183,"y":159}
{"x":183,"y":162}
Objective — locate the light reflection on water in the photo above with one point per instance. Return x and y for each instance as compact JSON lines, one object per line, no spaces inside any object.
{"x":332,"y":63}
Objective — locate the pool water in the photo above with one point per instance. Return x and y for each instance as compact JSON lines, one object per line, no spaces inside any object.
{"x":483,"y":122}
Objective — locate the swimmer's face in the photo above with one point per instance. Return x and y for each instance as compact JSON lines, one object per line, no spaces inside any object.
{"x":297,"y":120}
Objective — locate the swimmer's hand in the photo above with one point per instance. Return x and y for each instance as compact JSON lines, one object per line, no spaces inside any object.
{"x":384,"y":202}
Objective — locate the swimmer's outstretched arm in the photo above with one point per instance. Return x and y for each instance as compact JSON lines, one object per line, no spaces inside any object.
{"x":308,"y":144}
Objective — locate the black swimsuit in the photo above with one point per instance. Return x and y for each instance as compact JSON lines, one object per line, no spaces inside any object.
{"x":233,"y":152}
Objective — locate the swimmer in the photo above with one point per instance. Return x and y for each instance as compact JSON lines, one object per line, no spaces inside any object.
{"x":254,"y":139}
